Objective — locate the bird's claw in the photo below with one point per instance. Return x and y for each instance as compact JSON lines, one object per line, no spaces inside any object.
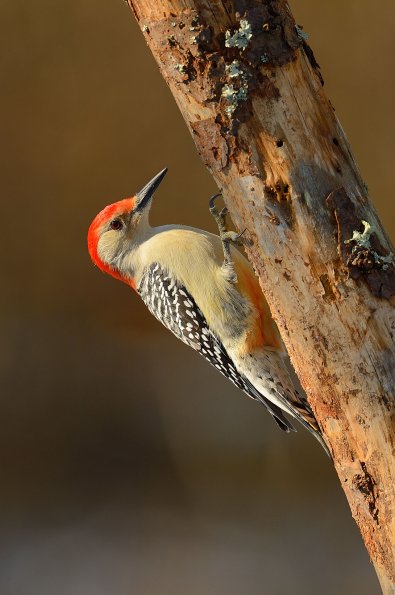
{"x":211,"y":204}
{"x":227,"y":238}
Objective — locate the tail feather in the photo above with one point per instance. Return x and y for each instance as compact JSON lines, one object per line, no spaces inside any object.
{"x":277,"y":414}
{"x":305,"y":417}
{"x":297,"y":406}
{"x":274,"y":386}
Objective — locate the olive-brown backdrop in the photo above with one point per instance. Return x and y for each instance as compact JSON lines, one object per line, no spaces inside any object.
{"x":127,"y":465}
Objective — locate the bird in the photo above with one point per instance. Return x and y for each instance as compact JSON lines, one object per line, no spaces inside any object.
{"x":202,"y":288}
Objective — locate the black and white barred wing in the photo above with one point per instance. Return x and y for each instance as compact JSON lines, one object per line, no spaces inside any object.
{"x":176,"y":309}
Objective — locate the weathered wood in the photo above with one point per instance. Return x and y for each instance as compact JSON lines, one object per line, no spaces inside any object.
{"x":252,"y":96}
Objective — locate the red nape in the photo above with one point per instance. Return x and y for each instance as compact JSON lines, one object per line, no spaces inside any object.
{"x":117,"y":208}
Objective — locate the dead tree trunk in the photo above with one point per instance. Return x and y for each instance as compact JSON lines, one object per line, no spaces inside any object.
{"x":252,"y":96}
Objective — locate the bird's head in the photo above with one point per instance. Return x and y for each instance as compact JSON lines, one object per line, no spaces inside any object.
{"x":116,"y":229}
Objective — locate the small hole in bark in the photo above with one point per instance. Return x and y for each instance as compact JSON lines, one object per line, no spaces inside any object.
{"x":214,"y":64}
{"x":280,"y":143}
{"x":335,"y":141}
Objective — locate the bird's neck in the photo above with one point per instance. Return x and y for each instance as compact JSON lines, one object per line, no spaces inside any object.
{"x":129,"y":264}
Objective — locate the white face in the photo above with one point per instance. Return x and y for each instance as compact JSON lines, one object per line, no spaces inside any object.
{"x":121,"y":235}
{"x":113,"y":239}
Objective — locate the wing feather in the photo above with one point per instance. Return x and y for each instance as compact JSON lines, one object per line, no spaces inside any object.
{"x":170,"y":302}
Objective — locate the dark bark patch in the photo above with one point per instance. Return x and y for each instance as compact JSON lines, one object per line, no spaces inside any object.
{"x":365,"y":484}
{"x":228,"y":67}
{"x":279,"y":198}
{"x":274,"y":36}
{"x":313,"y":62}
{"x":365,"y":260}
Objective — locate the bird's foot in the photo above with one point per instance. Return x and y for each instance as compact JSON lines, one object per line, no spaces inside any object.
{"x":227,"y":238}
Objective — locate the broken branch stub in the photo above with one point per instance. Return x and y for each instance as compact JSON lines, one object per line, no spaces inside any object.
{"x":252,"y":95}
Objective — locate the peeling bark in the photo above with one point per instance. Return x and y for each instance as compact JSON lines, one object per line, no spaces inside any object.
{"x":252,"y":95}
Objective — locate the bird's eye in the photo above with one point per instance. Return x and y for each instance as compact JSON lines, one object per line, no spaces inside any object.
{"x":116,"y":224}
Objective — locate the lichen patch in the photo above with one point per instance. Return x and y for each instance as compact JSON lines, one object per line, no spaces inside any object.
{"x":360,"y":250}
{"x":241,"y":38}
{"x":370,"y":257}
{"x":233,"y":97}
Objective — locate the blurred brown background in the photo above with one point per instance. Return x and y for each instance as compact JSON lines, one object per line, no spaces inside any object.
{"x":128,"y":465}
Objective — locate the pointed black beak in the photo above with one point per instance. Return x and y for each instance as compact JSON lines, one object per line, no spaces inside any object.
{"x":146,"y":193}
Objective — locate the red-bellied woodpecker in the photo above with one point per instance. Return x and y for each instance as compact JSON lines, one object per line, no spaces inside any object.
{"x":206,"y":293}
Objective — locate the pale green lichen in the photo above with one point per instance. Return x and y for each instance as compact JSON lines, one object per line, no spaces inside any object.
{"x":233,"y":97}
{"x":234,"y":70}
{"x":240,"y":39}
{"x":362,"y":240}
{"x":301,"y":34}
{"x":228,"y":92}
{"x":264,"y":58}
{"x":385,"y":261}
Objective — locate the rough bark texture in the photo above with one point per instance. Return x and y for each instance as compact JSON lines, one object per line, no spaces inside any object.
{"x":252,"y":96}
